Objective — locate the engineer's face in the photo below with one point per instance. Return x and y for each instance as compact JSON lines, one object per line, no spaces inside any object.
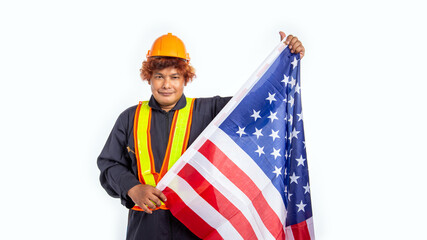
{"x":167,"y":86}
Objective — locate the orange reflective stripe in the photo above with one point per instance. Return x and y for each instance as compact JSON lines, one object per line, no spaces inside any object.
{"x":138,"y":208}
{"x":177,"y":144}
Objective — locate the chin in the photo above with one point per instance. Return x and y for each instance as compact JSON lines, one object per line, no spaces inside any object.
{"x":167,"y":101}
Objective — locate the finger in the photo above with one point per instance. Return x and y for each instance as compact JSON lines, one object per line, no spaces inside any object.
{"x":150,"y":203}
{"x":154,"y":199}
{"x":295,"y":46}
{"x":145,"y":208}
{"x":292,"y":42}
{"x":288,"y":39}
{"x":160,"y":195}
{"x":302,"y":53}
{"x":299,"y":49}
{"x":282,"y":35}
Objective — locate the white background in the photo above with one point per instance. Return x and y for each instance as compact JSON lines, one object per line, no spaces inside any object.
{"x":69,"y":68}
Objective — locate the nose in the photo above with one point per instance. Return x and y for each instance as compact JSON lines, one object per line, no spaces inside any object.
{"x":167,"y":83}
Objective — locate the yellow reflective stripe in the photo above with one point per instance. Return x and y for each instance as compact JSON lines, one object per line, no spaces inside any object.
{"x":179,"y":134}
{"x":142,"y":139}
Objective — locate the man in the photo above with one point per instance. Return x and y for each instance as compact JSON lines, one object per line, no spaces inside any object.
{"x":148,"y":139}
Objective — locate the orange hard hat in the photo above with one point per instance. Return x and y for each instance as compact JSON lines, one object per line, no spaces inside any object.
{"x":168,"y":45}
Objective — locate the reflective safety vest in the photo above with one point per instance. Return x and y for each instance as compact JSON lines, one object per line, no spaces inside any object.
{"x":177,"y":144}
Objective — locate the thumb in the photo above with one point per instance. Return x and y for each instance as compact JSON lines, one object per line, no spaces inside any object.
{"x":282,"y":35}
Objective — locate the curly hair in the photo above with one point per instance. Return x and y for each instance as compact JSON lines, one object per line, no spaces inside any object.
{"x":158,"y":63}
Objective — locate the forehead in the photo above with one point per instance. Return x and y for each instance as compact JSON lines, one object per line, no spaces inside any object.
{"x":167,"y":71}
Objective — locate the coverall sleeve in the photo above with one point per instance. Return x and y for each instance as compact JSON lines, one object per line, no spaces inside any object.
{"x":219,"y":103}
{"x":115,"y":164}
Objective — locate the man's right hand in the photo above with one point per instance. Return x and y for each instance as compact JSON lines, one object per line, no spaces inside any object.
{"x":146,"y":195}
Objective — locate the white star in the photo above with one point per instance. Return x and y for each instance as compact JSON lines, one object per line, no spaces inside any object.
{"x":241,"y":131}
{"x":260,"y":150}
{"x":271,"y":97}
{"x":301,"y":206}
{"x":294,"y":63}
{"x":307,"y":188}
{"x":300,"y":116}
{"x":289,"y":196}
{"x":286,"y":172}
{"x":294,"y":178}
{"x":285,"y":80}
{"x":291,"y":101}
{"x":295,"y":133}
{"x":304,"y":143}
{"x":300,"y":161}
{"x":272,"y":116}
{"x":276,"y":153}
{"x":277,"y":171}
{"x":297,"y":88}
{"x":258,"y":133}
{"x":256,"y":115}
{"x":274,"y":134}
{"x":292,"y":82}
{"x":290,"y":118}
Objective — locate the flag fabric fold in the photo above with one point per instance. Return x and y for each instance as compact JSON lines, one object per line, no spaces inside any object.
{"x":246,"y":175}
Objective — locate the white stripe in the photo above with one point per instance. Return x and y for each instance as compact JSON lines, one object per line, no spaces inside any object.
{"x":232,"y":193}
{"x":289,"y":234}
{"x":245,"y":162}
{"x":310,"y":226}
{"x":203,"y":209}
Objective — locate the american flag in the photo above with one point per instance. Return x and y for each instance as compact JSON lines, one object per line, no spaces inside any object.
{"x":246,"y":175}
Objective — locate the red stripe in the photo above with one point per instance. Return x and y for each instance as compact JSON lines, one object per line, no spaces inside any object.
{"x":300,"y":231}
{"x":218,"y":201}
{"x":188,"y":217}
{"x":246,"y":185}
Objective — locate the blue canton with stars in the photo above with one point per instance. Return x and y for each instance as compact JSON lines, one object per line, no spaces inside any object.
{"x":268,"y":126}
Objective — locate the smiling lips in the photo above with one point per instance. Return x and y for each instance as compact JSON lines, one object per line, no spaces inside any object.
{"x":166,"y":93}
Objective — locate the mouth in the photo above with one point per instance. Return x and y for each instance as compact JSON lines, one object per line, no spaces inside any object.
{"x":166,"y":93}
